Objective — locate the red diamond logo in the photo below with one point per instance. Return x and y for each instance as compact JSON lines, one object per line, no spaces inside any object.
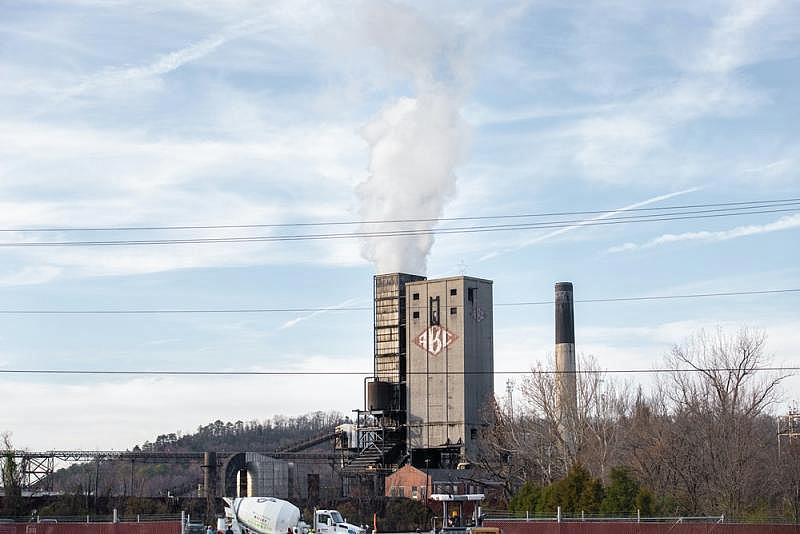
{"x":434,"y":339}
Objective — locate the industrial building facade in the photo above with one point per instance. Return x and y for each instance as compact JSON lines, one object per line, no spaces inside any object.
{"x":252,"y":474}
{"x":425,"y":404}
{"x":390,"y":321}
{"x":450,"y":362}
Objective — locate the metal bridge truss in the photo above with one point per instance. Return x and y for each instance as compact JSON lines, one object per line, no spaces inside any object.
{"x":38,"y":466}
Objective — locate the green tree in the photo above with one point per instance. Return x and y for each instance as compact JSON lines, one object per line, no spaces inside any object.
{"x":12,"y":479}
{"x":577,"y":492}
{"x":645,"y":502}
{"x":525,"y":499}
{"x":621,"y":493}
{"x":405,"y":515}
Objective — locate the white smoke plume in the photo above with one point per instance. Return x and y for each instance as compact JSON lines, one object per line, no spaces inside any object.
{"x":415,"y":143}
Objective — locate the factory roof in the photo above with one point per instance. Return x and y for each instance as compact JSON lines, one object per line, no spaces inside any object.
{"x":450,"y":278}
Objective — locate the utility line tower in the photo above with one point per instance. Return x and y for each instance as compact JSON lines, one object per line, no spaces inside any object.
{"x":788,"y":429}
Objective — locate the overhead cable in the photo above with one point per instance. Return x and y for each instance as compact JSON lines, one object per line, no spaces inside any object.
{"x":153,"y":311}
{"x":694,"y":215}
{"x":745,"y":204}
{"x":327,"y":372}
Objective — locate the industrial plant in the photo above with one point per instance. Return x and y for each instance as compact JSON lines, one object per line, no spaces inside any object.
{"x":425,"y":405}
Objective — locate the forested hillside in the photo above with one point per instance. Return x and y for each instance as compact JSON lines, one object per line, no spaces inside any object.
{"x":246,"y":436}
{"x":181,"y":479}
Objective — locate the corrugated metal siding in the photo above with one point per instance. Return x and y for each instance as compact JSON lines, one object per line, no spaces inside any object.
{"x":390,"y":321}
{"x":270,"y":476}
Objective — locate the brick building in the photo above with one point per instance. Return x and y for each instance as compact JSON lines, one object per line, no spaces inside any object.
{"x":419,"y":484}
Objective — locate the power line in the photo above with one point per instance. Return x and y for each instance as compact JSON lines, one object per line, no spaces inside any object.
{"x":400,"y":233}
{"x":371,"y":373}
{"x":368,"y":308}
{"x":751,"y":204}
{"x":662,"y":297}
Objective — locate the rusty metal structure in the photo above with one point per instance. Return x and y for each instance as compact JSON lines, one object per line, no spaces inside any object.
{"x":390,"y":326}
{"x":380,"y":425}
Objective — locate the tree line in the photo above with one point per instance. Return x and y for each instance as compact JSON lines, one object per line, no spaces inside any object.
{"x":701,"y":441}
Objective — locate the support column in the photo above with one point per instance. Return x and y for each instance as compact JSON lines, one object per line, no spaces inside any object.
{"x":210,"y":485}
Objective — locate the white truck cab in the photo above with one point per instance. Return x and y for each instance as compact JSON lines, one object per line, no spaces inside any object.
{"x":332,"y":522}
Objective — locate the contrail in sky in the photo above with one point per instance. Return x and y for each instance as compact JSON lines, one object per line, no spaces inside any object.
{"x":554,"y":233}
{"x":293,"y":322}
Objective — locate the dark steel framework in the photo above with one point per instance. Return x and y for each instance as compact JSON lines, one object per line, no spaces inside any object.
{"x":38,"y":466}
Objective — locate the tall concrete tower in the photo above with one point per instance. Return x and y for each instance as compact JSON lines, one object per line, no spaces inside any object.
{"x":450,"y":368}
{"x":565,"y":356}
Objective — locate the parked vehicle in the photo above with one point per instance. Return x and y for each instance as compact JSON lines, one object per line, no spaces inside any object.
{"x":268,"y":515}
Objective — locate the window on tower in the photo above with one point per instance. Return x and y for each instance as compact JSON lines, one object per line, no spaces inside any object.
{"x":434,"y":311}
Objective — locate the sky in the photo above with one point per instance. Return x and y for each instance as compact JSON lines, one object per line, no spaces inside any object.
{"x":116,"y":113}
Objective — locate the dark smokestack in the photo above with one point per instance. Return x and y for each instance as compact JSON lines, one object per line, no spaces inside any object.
{"x":565,"y":319}
{"x":565,"y":362}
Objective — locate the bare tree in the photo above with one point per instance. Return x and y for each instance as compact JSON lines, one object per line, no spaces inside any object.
{"x":604,"y":409}
{"x":590,"y":434}
{"x":788,"y":473}
{"x":702,"y":439}
{"x":550,"y":428}
{"x":505,"y":448}
{"x":719,"y":396}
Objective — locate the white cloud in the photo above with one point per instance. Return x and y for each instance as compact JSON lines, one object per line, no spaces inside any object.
{"x":731,"y":43}
{"x":116,"y":414}
{"x":623,"y":247}
{"x":628,"y":143}
{"x":481,"y":114}
{"x":788,"y":222}
{"x":622,"y":146}
{"x":778,"y":169}
{"x":610,"y":146}
{"x":29,"y":275}
{"x":145,"y":182}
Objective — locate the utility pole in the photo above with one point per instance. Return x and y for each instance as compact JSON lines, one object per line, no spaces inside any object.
{"x":510,"y":395}
{"x":131,"y":489}
{"x":96,"y":481}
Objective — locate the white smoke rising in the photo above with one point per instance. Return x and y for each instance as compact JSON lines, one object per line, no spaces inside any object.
{"x":415,"y":145}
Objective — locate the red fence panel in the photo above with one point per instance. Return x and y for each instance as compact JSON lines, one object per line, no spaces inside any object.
{"x":149,"y":527}
{"x":620,"y":527}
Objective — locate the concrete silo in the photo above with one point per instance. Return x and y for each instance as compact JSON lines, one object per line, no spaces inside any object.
{"x":450,"y":358}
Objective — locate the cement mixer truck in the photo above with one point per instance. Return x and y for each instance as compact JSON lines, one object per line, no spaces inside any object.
{"x":267,"y":515}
